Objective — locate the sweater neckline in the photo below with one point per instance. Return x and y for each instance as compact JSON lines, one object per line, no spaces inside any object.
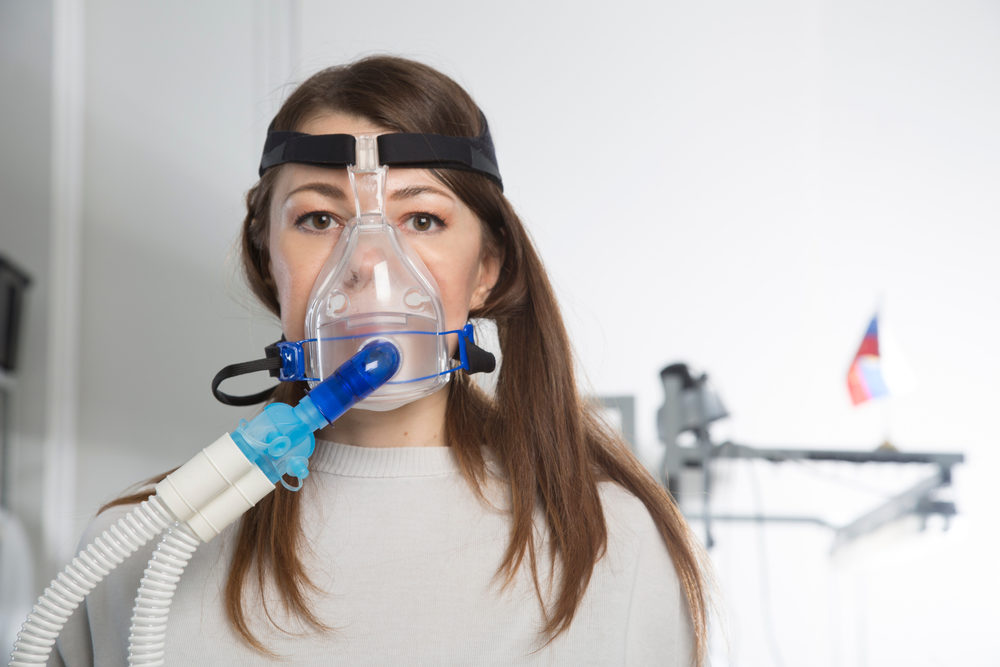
{"x":352,"y":461}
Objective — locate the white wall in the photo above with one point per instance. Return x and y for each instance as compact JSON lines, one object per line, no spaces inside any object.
{"x":171,"y":148}
{"x":25,"y":239}
{"x":729,"y":184}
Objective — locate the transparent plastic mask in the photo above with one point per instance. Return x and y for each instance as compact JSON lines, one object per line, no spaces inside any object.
{"x":374,"y":286}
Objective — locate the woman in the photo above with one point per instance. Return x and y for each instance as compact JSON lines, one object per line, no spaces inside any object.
{"x":456,"y":528}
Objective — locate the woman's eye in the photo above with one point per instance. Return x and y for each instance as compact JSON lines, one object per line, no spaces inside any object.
{"x":423,"y":222}
{"x":317,"y":221}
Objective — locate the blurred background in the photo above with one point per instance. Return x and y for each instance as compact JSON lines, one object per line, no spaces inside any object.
{"x":737,"y":186}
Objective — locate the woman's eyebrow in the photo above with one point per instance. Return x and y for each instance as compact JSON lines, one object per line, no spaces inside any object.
{"x":326,"y":189}
{"x":411,"y":191}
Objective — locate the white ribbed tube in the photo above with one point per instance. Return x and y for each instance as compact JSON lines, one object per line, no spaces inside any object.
{"x":206,"y":494}
{"x":91,"y":565}
{"x":147,"y":636}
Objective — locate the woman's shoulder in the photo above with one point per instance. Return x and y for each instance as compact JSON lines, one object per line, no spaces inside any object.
{"x":634,"y":542}
{"x":624,"y":512}
{"x":105,"y":517}
{"x":635,"y":597}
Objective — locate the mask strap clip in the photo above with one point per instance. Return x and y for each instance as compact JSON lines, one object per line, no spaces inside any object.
{"x":293,"y":361}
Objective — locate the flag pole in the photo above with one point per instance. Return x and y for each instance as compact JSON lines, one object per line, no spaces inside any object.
{"x":886,"y":407}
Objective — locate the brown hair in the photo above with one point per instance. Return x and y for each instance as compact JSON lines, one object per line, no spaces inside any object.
{"x":551,"y":446}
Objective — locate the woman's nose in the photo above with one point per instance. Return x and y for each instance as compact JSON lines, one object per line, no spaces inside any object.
{"x":368,"y":270}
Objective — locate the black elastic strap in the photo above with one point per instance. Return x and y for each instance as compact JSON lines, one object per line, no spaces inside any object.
{"x":271,"y":363}
{"x":400,"y":149}
{"x":436,"y":151}
{"x":325,"y":150}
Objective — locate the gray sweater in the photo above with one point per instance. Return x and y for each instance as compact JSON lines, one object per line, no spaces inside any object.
{"x":404,"y":555}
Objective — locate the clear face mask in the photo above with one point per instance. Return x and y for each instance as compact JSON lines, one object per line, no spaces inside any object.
{"x":373,"y":286}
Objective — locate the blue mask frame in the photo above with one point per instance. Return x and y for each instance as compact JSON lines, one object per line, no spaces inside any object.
{"x":293,"y":361}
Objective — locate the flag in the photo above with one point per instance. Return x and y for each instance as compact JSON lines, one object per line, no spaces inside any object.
{"x":864,"y":379}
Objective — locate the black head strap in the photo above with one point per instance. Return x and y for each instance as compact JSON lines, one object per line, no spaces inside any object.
{"x":326,"y":150}
{"x":395,"y":150}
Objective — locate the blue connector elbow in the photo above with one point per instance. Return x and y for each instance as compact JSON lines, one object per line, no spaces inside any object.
{"x":280,"y":439}
{"x":356,"y":379}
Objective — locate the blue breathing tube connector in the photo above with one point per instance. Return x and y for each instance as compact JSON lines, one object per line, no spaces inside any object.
{"x":280,"y":439}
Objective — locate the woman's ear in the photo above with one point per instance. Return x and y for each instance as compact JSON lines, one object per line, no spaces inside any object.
{"x":489,"y":273}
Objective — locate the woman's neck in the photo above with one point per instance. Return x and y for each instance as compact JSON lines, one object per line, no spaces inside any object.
{"x":416,"y":424}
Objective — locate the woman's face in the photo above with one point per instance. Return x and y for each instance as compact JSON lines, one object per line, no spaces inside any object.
{"x":310,"y":206}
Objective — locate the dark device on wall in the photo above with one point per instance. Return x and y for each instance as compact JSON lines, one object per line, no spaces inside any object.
{"x":13,"y":282}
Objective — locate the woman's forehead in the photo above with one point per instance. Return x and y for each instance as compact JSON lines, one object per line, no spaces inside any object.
{"x":398,"y":183}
